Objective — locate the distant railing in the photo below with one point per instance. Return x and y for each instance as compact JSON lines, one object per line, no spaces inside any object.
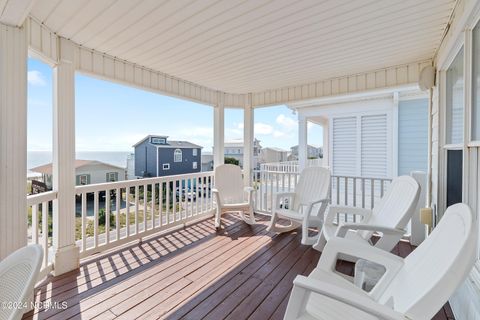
{"x":114,"y":213}
{"x":40,"y":208}
{"x":288,"y":166}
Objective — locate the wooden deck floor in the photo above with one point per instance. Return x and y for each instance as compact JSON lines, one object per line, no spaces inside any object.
{"x":241,"y":272}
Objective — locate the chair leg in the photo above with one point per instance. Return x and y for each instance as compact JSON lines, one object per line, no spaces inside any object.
{"x":218,"y":214}
{"x":272,"y":226}
{"x":306,"y":239}
{"x":251,"y":218}
{"x":321,"y":243}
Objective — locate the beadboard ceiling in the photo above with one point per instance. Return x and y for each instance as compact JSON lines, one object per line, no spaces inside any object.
{"x":242,"y":46}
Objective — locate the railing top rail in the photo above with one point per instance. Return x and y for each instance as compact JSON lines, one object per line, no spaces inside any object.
{"x":363,"y":177}
{"x":41,"y":197}
{"x":139,"y":182}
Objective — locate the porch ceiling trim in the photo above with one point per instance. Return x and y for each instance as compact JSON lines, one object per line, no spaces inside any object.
{"x":46,"y":44}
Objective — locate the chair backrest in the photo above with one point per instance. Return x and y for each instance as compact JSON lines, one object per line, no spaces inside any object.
{"x":229,"y":181}
{"x":396,"y":207}
{"x":313,"y":184}
{"x":433,"y":271}
{"x":18,"y":275}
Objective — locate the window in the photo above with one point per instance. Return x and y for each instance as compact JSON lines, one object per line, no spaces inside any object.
{"x":476,"y":83}
{"x":82,"y":179}
{"x":177,"y":156}
{"x":455,"y":103}
{"x":194,"y":165}
{"x":112,"y":176}
{"x":194,"y":152}
{"x":155,"y":140}
{"x":166,"y":166}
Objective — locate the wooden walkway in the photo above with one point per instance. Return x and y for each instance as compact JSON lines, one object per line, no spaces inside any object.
{"x":241,"y":272}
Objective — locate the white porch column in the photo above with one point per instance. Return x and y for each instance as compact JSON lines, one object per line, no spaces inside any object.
{"x":326,"y":142}
{"x":13,"y":139}
{"x":219,"y":132}
{"x":248,"y":136}
{"x":66,"y":253}
{"x":302,"y":142}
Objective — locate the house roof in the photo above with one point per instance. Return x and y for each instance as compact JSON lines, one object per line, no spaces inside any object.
{"x":275,"y":149}
{"x":47,"y":168}
{"x":170,"y":143}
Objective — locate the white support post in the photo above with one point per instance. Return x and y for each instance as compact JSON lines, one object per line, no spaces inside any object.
{"x":66,"y":253}
{"x":248,"y":124}
{"x":302,"y":142}
{"x":326,"y":142}
{"x":219,"y":132}
{"x":13,"y":139}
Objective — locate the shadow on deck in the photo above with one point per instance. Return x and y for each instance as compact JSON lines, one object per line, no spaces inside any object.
{"x":240,"y":272}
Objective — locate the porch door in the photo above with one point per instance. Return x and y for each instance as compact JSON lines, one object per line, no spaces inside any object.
{"x":454,"y":133}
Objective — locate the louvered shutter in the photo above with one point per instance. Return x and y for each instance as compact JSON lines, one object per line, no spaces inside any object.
{"x":344,"y":146}
{"x":374,"y":145}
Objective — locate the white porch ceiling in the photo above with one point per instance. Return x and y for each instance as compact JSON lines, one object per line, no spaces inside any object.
{"x":242,"y":46}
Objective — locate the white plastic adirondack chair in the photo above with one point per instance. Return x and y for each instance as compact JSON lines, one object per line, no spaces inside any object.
{"x":412,"y":288}
{"x":389,"y":217}
{"x":230,"y":193}
{"x":312,"y":189}
{"x":18,"y":275}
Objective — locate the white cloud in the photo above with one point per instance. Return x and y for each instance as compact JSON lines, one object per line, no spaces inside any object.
{"x":36,"y":78}
{"x":263,"y":128}
{"x":286,"y":122}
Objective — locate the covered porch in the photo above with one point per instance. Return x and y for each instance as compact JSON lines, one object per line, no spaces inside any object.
{"x":225,"y":54}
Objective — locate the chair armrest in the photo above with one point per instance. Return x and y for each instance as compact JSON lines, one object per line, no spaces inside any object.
{"x":334,"y":210}
{"x":249,"y":191}
{"x":338,"y":246}
{"x":351,"y":298}
{"x":309,"y":206}
{"x":386,"y":231}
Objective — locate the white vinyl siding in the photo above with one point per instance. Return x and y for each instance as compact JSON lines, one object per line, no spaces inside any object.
{"x":374,"y":145}
{"x":412,"y":136}
{"x":344,"y":155}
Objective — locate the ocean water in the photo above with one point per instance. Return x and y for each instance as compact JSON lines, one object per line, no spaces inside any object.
{"x":117,"y":158}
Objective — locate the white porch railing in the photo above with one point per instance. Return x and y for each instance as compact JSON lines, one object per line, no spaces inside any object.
{"x":289,"y":166}
{"x":115,"y":213}
{"x":40,"y":208}
{"x":345,"y":190}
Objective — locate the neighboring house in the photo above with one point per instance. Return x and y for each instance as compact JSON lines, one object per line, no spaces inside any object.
{"x":234,"y":149}
{"x":131,"y":167}
{"x":86,"y":172}
{"x":207,"y":161}
{"x":312,"y":152}
{"x":268,"y":155}
{"x":375,"y":135}
{"x":156,"y":156}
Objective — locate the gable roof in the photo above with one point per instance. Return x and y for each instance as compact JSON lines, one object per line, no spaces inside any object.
{"x":47,"y":168}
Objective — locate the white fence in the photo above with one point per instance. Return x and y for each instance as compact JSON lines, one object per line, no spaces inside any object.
{"x":345,"y":190}
{"x":119,"y":212}
{"x":40,"y":208}
{"x":288,"y":166}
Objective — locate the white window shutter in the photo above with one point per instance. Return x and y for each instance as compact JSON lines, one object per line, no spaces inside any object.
{"x":344,"y":146}
{"x":374,"y":157}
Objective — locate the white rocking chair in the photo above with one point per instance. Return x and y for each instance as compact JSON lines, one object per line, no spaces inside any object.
{"x":18,"y":275}
{"x":412,"y":288}
{"x":312,"y":191}
{"x":230,"y":194}
{"x":389,"y":217}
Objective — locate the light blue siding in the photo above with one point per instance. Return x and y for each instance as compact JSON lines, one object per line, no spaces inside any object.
{"x":412,"y":135}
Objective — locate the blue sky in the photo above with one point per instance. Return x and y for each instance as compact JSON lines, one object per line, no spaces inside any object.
{"x":112,"y":117}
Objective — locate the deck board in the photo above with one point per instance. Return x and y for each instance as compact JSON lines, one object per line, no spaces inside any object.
{"x":240,"y":272}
